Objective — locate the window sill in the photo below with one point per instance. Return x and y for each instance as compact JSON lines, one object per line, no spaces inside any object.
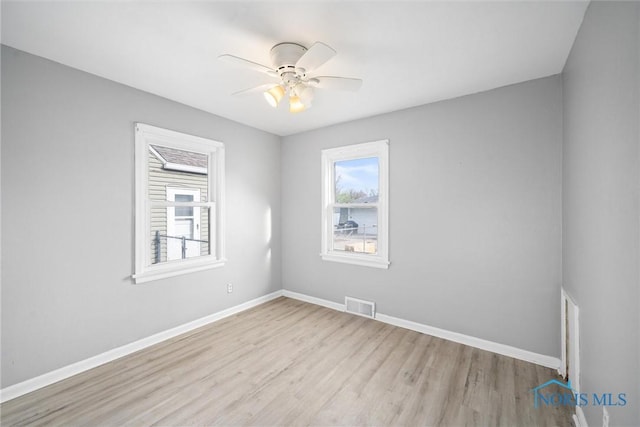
{"x":172,"y":270}
{"x":362,"y":260}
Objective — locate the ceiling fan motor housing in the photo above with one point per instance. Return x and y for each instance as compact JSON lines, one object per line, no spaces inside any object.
{"x":285,"y":55}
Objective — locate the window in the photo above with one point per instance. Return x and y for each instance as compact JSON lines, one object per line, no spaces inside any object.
{"x":355,"y":207}
{"x":179,"y":203}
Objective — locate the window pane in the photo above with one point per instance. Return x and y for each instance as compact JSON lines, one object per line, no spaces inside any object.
{"x":178,"y":232}
{"x":356,"y":181}
{"x":355,"y":230}
{"x":174,"y":237}
{"x":173,"y":168}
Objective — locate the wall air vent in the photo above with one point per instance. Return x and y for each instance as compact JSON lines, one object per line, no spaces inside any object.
{"x":360,"y":307}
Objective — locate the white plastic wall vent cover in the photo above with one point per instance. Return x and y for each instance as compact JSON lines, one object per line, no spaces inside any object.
{"x":360,"y":307}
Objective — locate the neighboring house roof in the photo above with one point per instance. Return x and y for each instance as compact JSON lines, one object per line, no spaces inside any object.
{"x":368,"y":199}
{"x":180,"y":160}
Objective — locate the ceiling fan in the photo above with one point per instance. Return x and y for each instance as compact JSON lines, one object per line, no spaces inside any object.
{"x":292,"y":65}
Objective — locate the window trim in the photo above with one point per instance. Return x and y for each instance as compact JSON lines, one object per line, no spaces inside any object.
{"x":379,"y":149}
{"x":146,"y":135}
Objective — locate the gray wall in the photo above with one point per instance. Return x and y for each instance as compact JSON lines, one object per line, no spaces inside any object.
{"x":67,"y":171}
{"x":600,"y":201}
{"x":475,"y":217}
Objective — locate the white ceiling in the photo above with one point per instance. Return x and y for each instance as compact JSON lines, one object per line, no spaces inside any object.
{"x":407,"y":53}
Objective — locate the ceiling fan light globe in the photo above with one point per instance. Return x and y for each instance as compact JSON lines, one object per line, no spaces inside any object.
{"x":306,"y":96}
{"x":295,"y":104}
{"x":274,"y":95}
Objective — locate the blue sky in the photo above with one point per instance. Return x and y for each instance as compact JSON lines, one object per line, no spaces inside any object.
{"x":358,"y":174}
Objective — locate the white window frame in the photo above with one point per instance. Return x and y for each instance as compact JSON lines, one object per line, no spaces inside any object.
{"x":330,"y":156}
{"x":146,"y":135}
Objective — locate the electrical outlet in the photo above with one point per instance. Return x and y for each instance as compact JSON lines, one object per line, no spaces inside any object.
{"x":229,"y":288}
{"x":605,"y":417}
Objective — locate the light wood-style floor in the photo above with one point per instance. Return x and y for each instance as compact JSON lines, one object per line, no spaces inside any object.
{"x":287,"y":362}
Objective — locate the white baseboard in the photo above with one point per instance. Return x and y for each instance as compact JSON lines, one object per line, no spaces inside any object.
{"x":494,"y":347}
{"x":49,"y":378}
{"x":579,"y":419}
{"x":314,"y":300}
{"x":503,"y":349}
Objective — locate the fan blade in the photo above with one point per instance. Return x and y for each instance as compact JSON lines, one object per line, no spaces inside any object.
{"x":338,"y":83}
{"x":247,"y":64}
{"x":317,"y":55}
{"x":262,"y":88}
